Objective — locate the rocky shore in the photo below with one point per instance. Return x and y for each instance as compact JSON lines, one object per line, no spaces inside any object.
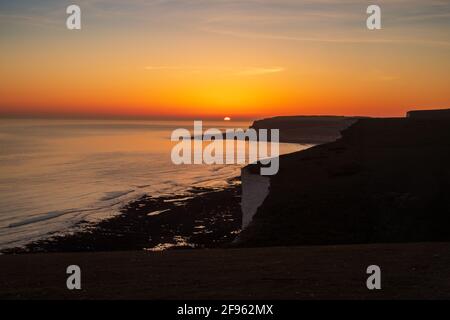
{"x":201,"y":218}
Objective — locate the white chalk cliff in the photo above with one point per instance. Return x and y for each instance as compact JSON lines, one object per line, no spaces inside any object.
{"x":255,"y":189}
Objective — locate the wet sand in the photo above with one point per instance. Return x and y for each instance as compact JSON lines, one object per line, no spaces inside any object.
{"x":409,"y":271}
{"x":201,"y":218}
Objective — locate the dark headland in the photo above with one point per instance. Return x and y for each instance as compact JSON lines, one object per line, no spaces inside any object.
{"x":385,"y":180}
{"x":379,"y":194}
{"x":307,"y":129}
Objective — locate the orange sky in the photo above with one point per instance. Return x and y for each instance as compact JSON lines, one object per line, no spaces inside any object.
{"x":223,"y":58}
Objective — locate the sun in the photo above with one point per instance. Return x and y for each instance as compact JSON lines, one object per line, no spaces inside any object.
{"x":227,"y":119}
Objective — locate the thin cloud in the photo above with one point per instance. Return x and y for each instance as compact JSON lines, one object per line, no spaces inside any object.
{"x":150,"y":68}
{"x":248,"y":71}
{"x":256,"y":35}
{"x":259,"y":71}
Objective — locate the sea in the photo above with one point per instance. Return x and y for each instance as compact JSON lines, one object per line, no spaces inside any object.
{"x":56,"y":173}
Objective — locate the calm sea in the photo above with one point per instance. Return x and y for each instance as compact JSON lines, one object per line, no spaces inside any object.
{"x":55,"y":173}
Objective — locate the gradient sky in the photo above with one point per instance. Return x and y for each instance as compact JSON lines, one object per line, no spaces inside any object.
{"x":208,"y":58}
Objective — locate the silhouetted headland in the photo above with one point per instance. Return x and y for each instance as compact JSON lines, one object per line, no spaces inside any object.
{"x":385,"y":180}
{"x":307,"y":129}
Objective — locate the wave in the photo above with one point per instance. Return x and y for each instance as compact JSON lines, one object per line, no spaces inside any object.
{"x":114,"y":195}
{"x":55,"y":214}
{"x":47,"y":216}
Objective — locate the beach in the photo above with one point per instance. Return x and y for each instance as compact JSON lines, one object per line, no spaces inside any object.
{"x":200,"y":218}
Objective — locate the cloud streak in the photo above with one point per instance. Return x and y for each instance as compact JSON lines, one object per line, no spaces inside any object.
{"x":365,"y":40}
{"x":259,"y":71}
{"x":247,"y":71}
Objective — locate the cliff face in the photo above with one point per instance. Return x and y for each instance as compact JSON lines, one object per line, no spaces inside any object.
{"x":307,"y":129}
{"x":385,"y":180}
{"x":255,"y":189}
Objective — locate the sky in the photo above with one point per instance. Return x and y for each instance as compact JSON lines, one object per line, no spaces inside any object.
{"x":216,"y":58}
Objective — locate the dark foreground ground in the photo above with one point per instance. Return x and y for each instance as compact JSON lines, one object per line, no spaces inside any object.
{"x":409,"y":271}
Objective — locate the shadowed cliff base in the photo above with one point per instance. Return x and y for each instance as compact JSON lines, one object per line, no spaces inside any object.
{"x":385,"y":180}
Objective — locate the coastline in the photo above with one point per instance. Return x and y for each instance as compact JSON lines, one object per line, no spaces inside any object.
{"x":125,"y":230}
{"x":199,"y":218}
